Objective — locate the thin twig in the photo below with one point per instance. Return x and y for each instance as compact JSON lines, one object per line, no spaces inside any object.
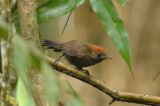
{"x":112,"y":101}
{"x":66,"y":22}
{"x":114,"y":94}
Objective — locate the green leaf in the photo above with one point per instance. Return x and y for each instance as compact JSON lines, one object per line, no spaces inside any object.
{"x":51,"y":9}
{"x":50,"y":84}
{"x":3,"y":30}
{"x":24,"y":96}
{"x":122,"y":2}
{"x":24,"y":57}
{"x":35,"y":58}
{"x":55,"y":8}
{"x":20,"y":57}
{"x":74,"y":102}
{"x":112,"y":23}
{"x":21,"y":61}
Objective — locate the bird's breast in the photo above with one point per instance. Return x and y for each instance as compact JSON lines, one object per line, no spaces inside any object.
{"x":80,"y":61}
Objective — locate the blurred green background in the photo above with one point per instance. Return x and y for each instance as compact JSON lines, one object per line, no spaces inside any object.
{"x":141,"y":18}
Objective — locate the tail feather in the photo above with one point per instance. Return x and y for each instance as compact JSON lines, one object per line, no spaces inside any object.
{"x":56,"y":46}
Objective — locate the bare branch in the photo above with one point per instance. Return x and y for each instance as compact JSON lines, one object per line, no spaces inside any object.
{"x":114,"y":94}
{"x":28,"y":20}
{"x":66,"y":22}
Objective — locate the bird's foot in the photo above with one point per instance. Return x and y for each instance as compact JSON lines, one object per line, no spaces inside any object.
{"x":86,"y":72}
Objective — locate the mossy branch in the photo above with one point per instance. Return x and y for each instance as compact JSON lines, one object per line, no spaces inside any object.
{"x":29,"y":31}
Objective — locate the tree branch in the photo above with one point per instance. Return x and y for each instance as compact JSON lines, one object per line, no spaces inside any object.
{"x":114,"y":94}
{"x":5,"y":85}
{"x":29,"y":31}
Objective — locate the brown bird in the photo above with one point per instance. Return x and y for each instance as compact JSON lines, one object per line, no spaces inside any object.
{"x":78,"y":53}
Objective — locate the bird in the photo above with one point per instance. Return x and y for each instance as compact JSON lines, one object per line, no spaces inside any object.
{"x":78,"y":53}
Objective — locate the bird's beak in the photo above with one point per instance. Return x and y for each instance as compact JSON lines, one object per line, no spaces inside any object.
{"x":104,"y":56}
{"x":108,"y":57}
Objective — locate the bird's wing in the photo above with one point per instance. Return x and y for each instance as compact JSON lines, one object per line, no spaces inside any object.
{"x":74,"y":48}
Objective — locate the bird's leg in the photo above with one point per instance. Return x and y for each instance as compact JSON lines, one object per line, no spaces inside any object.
{"x":56,"y":61}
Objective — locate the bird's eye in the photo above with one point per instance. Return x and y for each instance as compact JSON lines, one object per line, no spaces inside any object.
{"x":98,"y":56}
{"x":101,"y":56}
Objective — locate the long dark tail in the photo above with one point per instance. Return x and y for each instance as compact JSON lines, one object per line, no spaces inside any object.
{"x":56,"y":46}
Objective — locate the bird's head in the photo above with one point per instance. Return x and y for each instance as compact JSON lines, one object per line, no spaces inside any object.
{"x":98,"y":53}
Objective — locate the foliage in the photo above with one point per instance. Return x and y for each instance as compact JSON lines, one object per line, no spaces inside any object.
{"x":24,"y":61}
{"x":55,"y":8}
{"x":107,"y":14}
{"x":26,"y":56}
{"x":122,"y":2}
{"x":30,"y":56}
{"x":112,"y":23}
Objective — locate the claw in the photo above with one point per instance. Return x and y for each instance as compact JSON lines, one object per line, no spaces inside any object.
{"x":86,"y":72}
